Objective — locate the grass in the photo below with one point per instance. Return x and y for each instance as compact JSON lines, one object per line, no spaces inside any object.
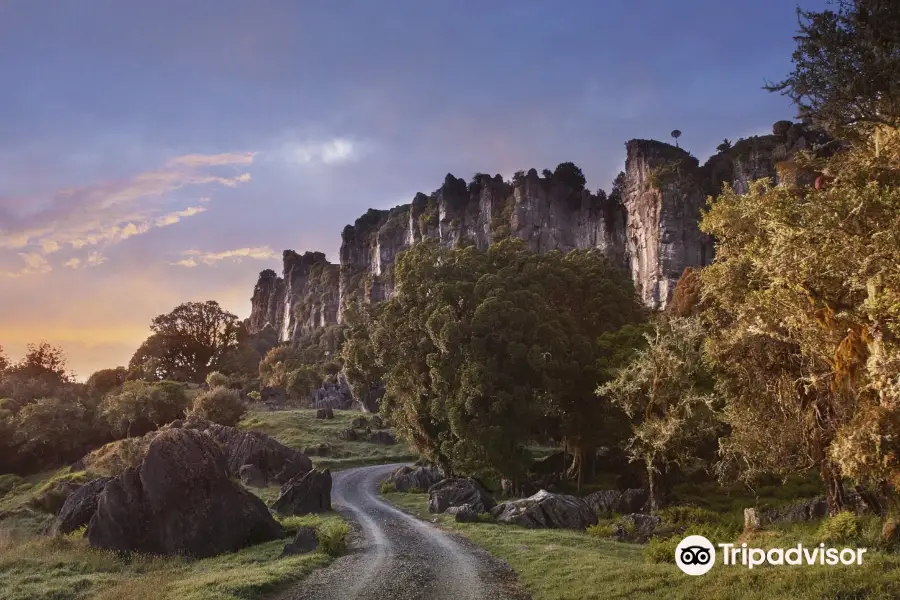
{"x":300,"y":429}
{"x":66,"y":568}
{"x":569,"y":565}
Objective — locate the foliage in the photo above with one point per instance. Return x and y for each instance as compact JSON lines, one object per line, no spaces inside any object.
{"x":216,"y":379}
{"x":846,"y":76}
{"x":842,"y":527}
{"x":104,"y":381}
{"x":333,"y":537}
{"x":4,"y":361}
{"x":142,"y":406}
{"x":42,"y":360}
{"x":687,"y":295}
{"x":666,"y":392}
{"x":725,"y":146}
{"x":52,"y":431}
{"x":475,"y":347}
{"x":219,"y":405}
{"x":189,"y":342}
{"x":804,"y":319}
{"x":571,"y":175}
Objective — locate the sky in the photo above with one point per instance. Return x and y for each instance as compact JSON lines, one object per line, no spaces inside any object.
{"x":154,"y":152}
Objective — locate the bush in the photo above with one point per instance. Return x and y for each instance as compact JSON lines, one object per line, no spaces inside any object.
{"x":842,"y":527}
{"x":142,"y":406}
{"x":219,"y":405}
{"x":8,"y":482}
{"x":216,"y":379}
{"x":689,"y":515}
{"x":333,"y":537}
{"x":387,"y":487}
{"x":254,"y":395}
{"x":661,"y":550}
{"x":601,"y":530}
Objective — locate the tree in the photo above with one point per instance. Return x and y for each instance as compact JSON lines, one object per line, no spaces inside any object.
{"x":43,"y":361}
{"x":571,"y":175}
{"x":476,"y":349}
{"x":676,"y":134}
{"x":725,"y":146}
{"x":803,"y":307}
{"x":219,"y":405}
{"x":4,"y":361}
{"x":189,"y":342}
{"x":142,"y":406}
{"x":666,"y":391}
{"x":846,"y":76}
{"x":53,"y":431}
{"x":105,"y":380}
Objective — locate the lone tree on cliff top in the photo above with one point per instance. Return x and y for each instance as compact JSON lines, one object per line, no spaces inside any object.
{"x":846,"y":76}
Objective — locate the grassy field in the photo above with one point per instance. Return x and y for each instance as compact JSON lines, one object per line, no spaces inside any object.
{"x":300,"y":429}
{"x":568,"y":565}
{"x":65,"y":568}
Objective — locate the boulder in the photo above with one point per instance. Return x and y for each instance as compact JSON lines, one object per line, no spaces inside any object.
{"x":638,"y":529}
{"x":276,"y":462}
{"x":252,"y":476}
{"x":377,"y":422}
{"x":457,"y":492}
{"x":325,"y":413}
{"x":52,"y":498}
{"x":463,"y":514}
{"x":349,"y":434}
{"x":546,"y":510}
{"x":305,"y":541}
{"x":408,"y":478}
{"x":308,"y":493}
{"x":79,"y":507}
{"x":382,"y":437}
{"x":179,"y":501}
{"x":607,"y":502}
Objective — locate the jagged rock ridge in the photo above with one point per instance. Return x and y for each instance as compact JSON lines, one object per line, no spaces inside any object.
{"x":648,"y":225}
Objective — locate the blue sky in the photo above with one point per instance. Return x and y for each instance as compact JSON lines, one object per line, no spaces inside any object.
{"x":164,"y":151}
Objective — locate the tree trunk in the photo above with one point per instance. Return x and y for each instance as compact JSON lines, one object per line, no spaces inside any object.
{"x":834,"y":487}
{"x":652,"y":487}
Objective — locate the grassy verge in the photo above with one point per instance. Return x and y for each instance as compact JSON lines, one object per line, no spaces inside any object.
{"x":65,"y":568}
{"x":300,"y":429}
{"x":567,"y":565}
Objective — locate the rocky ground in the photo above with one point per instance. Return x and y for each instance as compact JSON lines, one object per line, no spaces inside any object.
{"x":396,"y":556}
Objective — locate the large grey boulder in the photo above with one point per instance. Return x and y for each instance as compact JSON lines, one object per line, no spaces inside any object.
{"x":308,"y":493}
{"x":546,"y":510}
{"x":79,"y":507}
{"x":607,"y":502}
{"x":276,"y":462}
{"x":179,"y":501}
{"x":457,"y":492}
{"x":421,"y":478}
{"x":638,"y":528}
{"x":463,"y":514}
{"x":306,"y":540}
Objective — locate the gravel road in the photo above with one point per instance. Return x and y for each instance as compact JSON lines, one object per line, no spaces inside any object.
{"x":395,"y":556}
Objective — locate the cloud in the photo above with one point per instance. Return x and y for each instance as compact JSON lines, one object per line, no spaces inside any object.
{"x":110,"y":212}
{"x":195,"y":258}
{"x":35,"y":264}
{"x":93,"y":259}
{"x":330,"y":152}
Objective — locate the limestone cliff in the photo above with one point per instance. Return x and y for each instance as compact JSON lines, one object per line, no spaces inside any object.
{"x":648,"y":225}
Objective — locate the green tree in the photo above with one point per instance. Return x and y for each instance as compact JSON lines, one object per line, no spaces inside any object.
{"x":189,"y":342}
{"x":105,"y":380}
{"x":846,"y":76}
{"x":666,"y":391}
{"x":803,"y":307}
{"x":4,"y":361}
{"x":571,"y":175}
{"x":142,"y":406}
{"x":219,"y":405}
{"x":53,"y":431}
{"x":45,"y":361}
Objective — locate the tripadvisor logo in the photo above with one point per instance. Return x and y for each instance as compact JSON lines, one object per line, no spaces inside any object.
{"x":696,"y":555}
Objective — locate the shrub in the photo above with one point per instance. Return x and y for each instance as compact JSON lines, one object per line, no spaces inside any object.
{"x":387,"y":487}
{"x":216,"y":379}
{"x":689,"y":515}
{"x":333,"y":537}
{"x":254,"y":395}
{"x":842,"y":527}
{"x":661,"y":550}
{"x":601,"y":530}
{"x":142,"y":406}
{"x":219,"y":405}
{"x":8,"y":482}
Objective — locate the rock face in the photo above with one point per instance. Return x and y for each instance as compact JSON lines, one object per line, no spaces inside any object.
{"x":180,"y":500}
{"x":607,"y":502}
{"x":545,"y":510}
{"x":276,"y":462}
{"x":79,"y":507}
{"x":309,"y":493}
{"x":420,"y":478}
{"x":305,"y":541}
{"x":458,"y":492}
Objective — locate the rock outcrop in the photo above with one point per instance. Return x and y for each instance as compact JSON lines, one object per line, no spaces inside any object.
{"x":608,"y":502}
{"x":179,"y":501}
{"x":458,"y":492}
{"x":546,"y":510}
{"x":407,"y":478}
{"x":79,"y":507}
{"x":308,"y":493}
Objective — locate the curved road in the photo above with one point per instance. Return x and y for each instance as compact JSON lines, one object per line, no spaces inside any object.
{"x":398,"y":557}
